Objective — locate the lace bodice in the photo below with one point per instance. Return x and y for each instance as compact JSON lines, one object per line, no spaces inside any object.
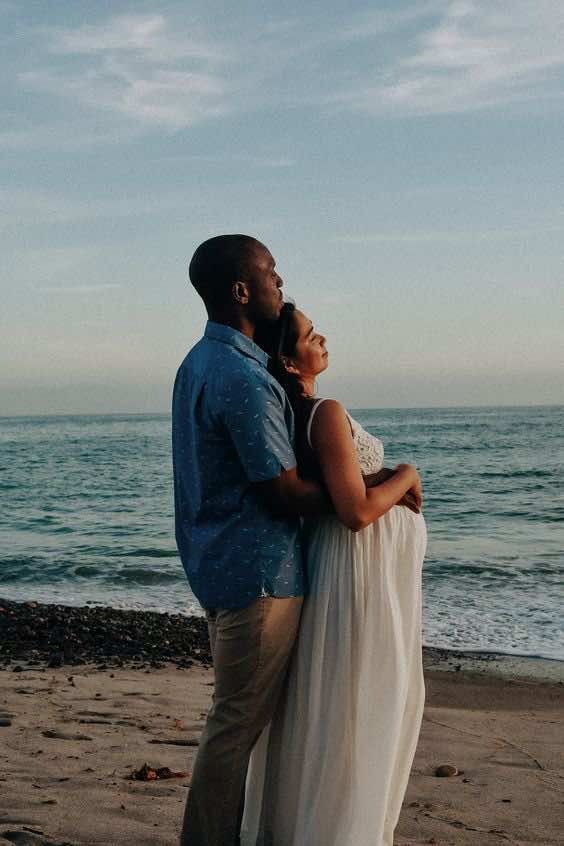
{"x":370,"y":450}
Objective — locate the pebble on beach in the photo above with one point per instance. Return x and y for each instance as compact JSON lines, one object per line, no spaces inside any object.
{"x":446,"y":771}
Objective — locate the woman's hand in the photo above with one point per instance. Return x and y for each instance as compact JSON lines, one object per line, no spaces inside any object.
{"x":414,"y":497}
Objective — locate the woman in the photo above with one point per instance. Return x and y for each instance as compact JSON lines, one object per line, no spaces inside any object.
{"x":332,"y":768}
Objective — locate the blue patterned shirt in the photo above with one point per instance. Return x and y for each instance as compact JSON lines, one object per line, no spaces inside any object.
{"x":232,"y":426}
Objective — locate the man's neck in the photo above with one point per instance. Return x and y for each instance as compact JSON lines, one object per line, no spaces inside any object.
{"x":239,"y":322}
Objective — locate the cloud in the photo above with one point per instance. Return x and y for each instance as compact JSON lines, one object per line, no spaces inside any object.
{"x":27,"y":207}
{"x":365,"y":25}
{"x":74,"y":289}
{"x":161,"y":71}
{"x":57,"y":137}
{"x":475,"y":55}
{"x":139,"y":67}
{"x":150,"y":36}
{"x":424,"y":236}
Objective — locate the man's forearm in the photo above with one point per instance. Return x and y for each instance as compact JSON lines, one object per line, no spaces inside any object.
{"x":308,"y":499}
{"x":372,"y":480}
{"x":291,"y":496}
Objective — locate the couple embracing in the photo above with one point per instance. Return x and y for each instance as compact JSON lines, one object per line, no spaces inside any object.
{"x":306,"y":554}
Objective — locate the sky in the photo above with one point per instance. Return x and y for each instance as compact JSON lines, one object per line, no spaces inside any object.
{"x":404,"y":162}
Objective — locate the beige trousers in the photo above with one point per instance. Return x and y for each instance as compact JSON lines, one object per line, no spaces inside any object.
{"x":251,"y":648}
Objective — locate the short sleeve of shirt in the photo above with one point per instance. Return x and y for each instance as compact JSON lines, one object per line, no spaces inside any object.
{"x":253,"y":413}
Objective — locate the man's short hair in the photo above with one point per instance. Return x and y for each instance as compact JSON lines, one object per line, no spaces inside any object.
{"x":219,"y":262}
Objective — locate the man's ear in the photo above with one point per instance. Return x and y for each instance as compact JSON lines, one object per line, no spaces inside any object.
{"x":240,"y":292}
{"x":290,"y":366}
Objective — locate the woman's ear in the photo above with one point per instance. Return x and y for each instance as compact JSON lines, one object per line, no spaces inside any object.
{"x":240,"y":292}
{"x":290,"y":366}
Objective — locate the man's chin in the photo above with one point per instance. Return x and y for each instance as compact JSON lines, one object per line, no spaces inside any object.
{"x":275,"y":316}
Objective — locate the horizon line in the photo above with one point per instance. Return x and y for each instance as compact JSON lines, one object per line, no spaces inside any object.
{"x":39,"y":414}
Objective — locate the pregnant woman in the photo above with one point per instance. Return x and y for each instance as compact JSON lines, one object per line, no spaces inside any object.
{"x":332,"y":768}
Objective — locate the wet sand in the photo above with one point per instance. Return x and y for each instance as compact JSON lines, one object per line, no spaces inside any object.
{"x":71,"y":735}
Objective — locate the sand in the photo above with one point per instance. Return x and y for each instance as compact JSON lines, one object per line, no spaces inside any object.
{"x":505,"y":735}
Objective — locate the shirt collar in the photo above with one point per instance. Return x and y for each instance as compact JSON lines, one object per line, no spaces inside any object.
{"x":228,"y":335}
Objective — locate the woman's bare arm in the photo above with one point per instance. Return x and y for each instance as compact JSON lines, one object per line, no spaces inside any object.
{"x":355,"y":505}
{"x":412,"y":499}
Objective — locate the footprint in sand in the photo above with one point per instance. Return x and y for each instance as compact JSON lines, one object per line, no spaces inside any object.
{"x":63,"y":735}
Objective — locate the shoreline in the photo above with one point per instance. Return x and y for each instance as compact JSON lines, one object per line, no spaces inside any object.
{"x":55,"y":635}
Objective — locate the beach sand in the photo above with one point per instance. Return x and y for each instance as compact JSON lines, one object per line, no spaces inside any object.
{"x":71,"y":735}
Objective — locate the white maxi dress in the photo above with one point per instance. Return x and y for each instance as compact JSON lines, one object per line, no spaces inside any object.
{"x":332,"y":767}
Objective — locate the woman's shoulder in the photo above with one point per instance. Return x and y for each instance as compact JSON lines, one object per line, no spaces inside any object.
{"x":327,"y":417}
{"x":326,"y":408}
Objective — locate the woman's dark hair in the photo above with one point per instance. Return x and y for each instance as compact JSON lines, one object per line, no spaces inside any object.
{"x":279,"y":340}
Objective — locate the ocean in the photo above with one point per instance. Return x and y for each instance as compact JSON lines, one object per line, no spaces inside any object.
{"x":87,"y":517}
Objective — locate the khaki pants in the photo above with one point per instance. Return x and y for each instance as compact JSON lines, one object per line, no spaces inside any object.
{"x":251,"y":648}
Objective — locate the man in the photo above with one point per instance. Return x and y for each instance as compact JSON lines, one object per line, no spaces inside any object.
{"x":237,"y":501}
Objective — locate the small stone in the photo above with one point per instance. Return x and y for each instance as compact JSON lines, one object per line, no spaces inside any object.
{"x":17,"y":669}
{"x":446,"y":771}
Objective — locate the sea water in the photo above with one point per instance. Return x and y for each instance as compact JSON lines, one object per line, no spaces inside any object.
{"x":86,"y":508}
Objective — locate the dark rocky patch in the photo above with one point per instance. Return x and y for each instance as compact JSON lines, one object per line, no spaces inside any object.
{"x":56,"y":635}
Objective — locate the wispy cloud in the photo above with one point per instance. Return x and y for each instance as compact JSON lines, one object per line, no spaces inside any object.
{"x":449,"y":236}
{"x":161,"y":71}
{"x":74,"y":289}
{"x":376,"y":22}
{"x":150,"y":36}
{"x":28,"y":207}
{"x":138,"y":66}
{"x":475,"y":55}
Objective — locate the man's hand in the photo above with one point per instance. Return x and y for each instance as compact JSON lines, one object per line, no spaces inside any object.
{"x":412,"y":499}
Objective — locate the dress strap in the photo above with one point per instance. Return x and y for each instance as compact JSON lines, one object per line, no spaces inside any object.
{"x":316,"y":405}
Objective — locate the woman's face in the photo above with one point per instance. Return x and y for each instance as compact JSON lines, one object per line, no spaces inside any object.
{"x":310,"y":357}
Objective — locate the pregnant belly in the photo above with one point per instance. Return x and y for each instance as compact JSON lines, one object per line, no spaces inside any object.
{"x":399,"y":526}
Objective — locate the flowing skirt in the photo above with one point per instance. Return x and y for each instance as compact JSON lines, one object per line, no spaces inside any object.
{"x":332,"y":768}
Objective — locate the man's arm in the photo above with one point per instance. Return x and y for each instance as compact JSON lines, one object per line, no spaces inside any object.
{"x":288,"y":495}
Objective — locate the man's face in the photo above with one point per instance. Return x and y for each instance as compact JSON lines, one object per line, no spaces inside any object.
{"x":264,"y":284}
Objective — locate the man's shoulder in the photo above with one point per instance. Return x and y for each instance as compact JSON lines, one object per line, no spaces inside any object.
{"x":224,"y":369}
{"x":203,"y":358}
